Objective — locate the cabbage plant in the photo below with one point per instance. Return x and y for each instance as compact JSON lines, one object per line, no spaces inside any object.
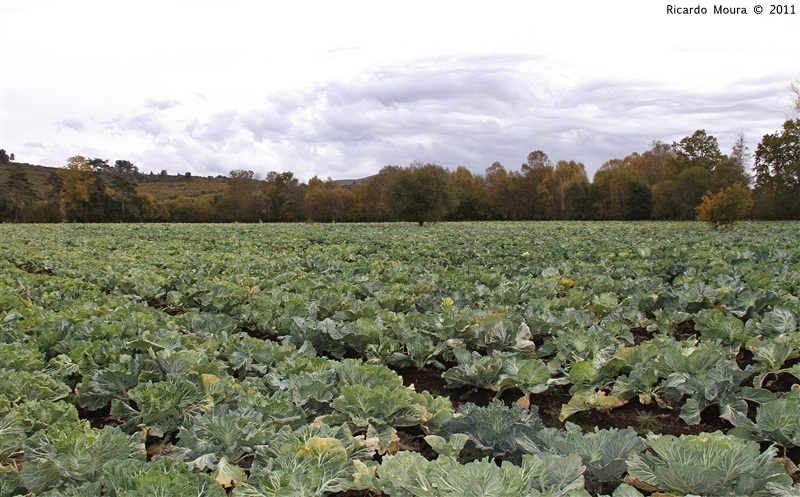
{"x":711,"y":464}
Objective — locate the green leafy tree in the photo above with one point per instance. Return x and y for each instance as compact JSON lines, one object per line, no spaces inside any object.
{"x":700,"y":149}
{"x":124,"y":190}
{"x":281,"y":197}
{"x":422,"y":192}
{"x":4,"y":158}
{"x":639,"y":202}
{"x":727,"y":206}
{"x":102,"y":206}
{"x":125,"y":167}
{"x":18,"y":192}
{"x":777,"y":170}
{"x":99,"y":165}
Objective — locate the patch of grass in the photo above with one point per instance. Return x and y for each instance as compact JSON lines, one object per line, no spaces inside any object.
{"x":645,"y":422}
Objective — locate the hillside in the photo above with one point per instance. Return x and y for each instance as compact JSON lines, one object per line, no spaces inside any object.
{"x":161,"y":187}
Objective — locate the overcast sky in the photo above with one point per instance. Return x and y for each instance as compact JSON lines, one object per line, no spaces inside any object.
{"x":342,"y":88}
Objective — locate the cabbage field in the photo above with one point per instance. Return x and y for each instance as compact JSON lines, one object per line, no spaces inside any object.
{"x":476,"y":359}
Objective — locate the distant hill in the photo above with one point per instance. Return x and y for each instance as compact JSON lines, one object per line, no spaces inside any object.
{"x":353,"y":182}
{"x":166,"y":187}
{"x":161,"y":186}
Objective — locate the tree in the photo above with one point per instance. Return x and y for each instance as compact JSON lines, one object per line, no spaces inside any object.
{"x":777,"y":169}
{"x":654,"y":164}
{"x":727,"y":206}
{"x":469,"y":194}
{"x":700,"y":149}
{"x":102,"y":207}
{"x":795,"y":89}
{"x":124,"y":191}
{"x":640,"y":201}
{"x":281,"y":198}
{"x":240,"y":200}
{"x":422,"y":192}
{"x":18,"y":192}
{"x":688,"y":190}
{"x":564,"y":176}
{"x":537,"y":160}
{"x":339,"y":200}
{"x":327,"y":201}
{"x":537,"y":175}
{"x":125,"y":167}
{"x":98,"y":165}
{"x":77,"y":177}
{"x":733,"y":169}
{"x":4,"y":158}
{"x":612,"y":187}
{"x":500,"y":192}
{"x":369,"y":201}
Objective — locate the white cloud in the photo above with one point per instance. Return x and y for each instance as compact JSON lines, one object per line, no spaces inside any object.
{"x":162,"y":104}
{"x":147,"y":124}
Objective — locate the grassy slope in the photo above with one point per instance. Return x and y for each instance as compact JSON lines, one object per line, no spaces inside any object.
{"x":160,"y":187}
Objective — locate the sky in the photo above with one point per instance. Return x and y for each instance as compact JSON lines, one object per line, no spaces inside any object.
{"x":341,"y":88}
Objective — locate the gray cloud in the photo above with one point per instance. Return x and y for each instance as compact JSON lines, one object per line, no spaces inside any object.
{"x":147,"y":124}
{"x":216,"y":131}
{"x":73,"y":124}
{"x":265,"y":124}
{"x":469,"y":111}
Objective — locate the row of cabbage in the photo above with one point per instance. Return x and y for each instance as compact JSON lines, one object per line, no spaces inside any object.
{"x":493,"y":306}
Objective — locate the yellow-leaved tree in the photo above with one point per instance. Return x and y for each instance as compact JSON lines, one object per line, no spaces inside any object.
{"x":77,"y":176}
{"x":727,"y":206}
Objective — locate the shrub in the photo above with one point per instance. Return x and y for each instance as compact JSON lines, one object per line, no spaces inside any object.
{"x":727,"y":206}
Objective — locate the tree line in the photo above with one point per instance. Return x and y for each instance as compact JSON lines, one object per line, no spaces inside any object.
{"x":668,"y":181}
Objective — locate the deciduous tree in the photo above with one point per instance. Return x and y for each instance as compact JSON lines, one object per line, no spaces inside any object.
{"x":240,"y":200}
{"x":640,"y":201}
{"x":565,"y":175}
{"x":18,"y":192}
{"x":77,"y":176}
{"x":500,"y":192}
{"x":469,"y":193}
{"x":777,"y":169}
{"x":536,"y":197}
{"x":727,"y":206}
{"x":698,"y":150}
{"x":421,"y":193}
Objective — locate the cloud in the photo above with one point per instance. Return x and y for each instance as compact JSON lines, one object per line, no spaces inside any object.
{"x":265,"y":123}
{"x":161,"y":104}
{"x":460,"y":111}
{"x":217,"y":130}
{"x":147,"y":124}
{"x":73,"y":124}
